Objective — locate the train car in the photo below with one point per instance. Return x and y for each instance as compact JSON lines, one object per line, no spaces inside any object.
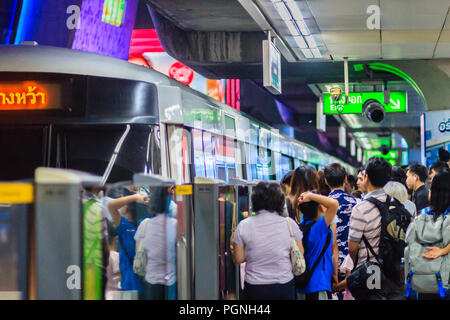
{"x":72,"y":109}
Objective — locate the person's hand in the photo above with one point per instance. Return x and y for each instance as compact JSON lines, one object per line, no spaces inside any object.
{"x":433,"y":253}
{"x":337,"y":287}
{"x":305,"y":197}
{"x":142,"y":198}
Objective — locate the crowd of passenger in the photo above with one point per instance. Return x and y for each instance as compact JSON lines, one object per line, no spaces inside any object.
{"x":335,"y":227}
{"x":314,"y":236}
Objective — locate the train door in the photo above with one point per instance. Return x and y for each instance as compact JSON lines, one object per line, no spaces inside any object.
{"x":163,"y":233}
{"x":178,"y":142}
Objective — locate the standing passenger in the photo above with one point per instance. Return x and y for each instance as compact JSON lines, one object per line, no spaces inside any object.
{"x":360,"y":182}
{"x":427,"y":256}
{"x":263,"y":242}
{"x":335,"y":177}
{"x":416,"y":178}
{"x":126,"y":229}
{"x":318,"y":213}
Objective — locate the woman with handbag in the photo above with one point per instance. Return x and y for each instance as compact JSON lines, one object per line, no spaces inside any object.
{"x":263,"y":242}
{"x":156,"y":247}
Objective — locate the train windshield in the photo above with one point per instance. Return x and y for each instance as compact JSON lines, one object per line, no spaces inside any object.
{"x":118,"y":150}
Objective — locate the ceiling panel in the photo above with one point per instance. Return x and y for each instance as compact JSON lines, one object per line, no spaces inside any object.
{"x":408,"y":50}
{"x":342,"y":14}
{"x":413,"y":14}
{"x":443,"y":45}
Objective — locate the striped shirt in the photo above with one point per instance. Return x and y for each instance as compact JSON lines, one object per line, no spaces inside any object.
{"x":366,"y":220}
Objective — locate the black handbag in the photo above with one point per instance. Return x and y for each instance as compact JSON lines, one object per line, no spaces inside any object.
{"x":302,"y":280}
{"x":357,"y":281}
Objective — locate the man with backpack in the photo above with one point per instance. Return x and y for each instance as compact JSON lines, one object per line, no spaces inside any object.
{"x":376,"y":238}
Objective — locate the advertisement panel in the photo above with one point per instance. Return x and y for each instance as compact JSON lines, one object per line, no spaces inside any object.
{"x":437,"y":134}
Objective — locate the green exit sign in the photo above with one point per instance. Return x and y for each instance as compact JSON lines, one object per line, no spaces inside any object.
{"x":393,"y":154}
{"x":398,"y":102}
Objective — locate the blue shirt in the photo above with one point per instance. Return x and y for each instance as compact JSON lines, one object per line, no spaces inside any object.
{"x":126,"y":231}
{"x":346,"y":204}
{"x":314,"y":241}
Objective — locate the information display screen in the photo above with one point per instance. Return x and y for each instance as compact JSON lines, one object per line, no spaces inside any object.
{"x":31,"y":95}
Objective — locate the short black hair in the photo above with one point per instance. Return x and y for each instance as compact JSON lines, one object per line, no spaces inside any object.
{"x":444,"y":155}
{"x":309,"y":209}
{"x":361,"y":169}
{"x":287,"y":178}
{"x":440,"y":193}
{"x":420,"y":170}
{"x":438,"y":166}
{"x":335,"y":175}
{"x":351,"y":179}
{"x":268,"y":196}
{"x":398,"y":175}
{"x":379,"y":171}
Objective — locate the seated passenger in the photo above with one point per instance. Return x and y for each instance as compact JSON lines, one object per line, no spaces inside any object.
{"x":263,"y":242}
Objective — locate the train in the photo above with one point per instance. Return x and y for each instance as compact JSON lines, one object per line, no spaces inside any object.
{"x":123,"y":123}
{"x":65,"y":108}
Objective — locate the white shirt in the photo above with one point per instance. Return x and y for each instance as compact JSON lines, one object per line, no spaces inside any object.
{"x":159,"y":242}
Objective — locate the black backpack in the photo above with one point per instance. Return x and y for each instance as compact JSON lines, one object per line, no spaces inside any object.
{"x":395,"y":220}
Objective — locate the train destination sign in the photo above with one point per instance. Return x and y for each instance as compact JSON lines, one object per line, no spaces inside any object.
{"x":29,"y":95}
{"x":398,"y":102}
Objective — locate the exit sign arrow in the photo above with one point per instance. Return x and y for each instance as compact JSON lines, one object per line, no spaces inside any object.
{"x":395,"y":104}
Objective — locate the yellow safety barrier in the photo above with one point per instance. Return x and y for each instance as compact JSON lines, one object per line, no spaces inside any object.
{"x":184,"y":189}
{"x":16,"y":193}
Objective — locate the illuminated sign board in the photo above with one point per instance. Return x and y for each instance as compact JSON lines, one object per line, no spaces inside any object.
{"x":113,"y":12}
{"x":392,"y":154}
{"x":30,"y":95}
{"x":398,"y":102}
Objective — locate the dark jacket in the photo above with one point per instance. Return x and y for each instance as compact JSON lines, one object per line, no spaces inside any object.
{"x":420,"y":198}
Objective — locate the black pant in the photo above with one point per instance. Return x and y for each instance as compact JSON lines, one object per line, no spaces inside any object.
{"x":276,"y":291}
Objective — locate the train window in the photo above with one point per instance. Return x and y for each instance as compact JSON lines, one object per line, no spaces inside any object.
{"x":179,"y":142}
{"x":264,"y":164}
{"x":285,"y":164}
{"x":18,"y":144}
{"x":253,"y":161}
{"x":209,"y":151}
{"x":199,"y":156}
{"x":239,"y":159}
{"x":90,"y":149}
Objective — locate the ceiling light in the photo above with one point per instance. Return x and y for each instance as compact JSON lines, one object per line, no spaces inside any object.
{"x":282,"y":11}
{"x":307,"y":53}
{"x":316,"y":53}
{"x":311,"y":41}
{"x":292,"y":27}
{"x":303,"y":27}
{"x":301,"y":42}
{"x":295,"y":11}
